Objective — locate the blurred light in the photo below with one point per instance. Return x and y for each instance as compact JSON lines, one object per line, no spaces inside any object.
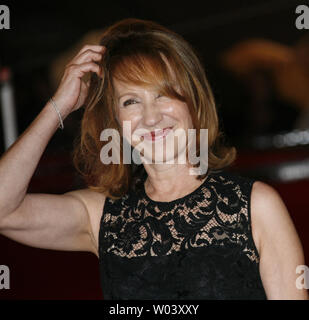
{"x":282,"y":140}
{"x":294,"y":170}
{"x":8,"y":108}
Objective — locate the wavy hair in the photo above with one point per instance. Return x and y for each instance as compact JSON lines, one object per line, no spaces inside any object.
{"x":142,"y":52}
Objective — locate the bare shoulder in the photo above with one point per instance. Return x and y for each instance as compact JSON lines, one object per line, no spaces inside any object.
{"x":267,"y":206}
{"x":94,"y":203}
{"x":272,"y":225}
{"x":268,"y":212}
{"x":92,"y":200}
{"x":90,"y":197}
{"x":263,"y":191}
{"x":277,"y":241}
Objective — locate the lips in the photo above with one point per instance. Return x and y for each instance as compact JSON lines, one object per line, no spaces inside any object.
{"x":157,"y":134}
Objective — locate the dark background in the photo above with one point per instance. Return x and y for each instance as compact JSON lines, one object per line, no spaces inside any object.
{"x":40,"y":31}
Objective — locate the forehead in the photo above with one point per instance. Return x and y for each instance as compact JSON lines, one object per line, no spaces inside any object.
{"x":122,"y":87}
{"x":142,"y":71}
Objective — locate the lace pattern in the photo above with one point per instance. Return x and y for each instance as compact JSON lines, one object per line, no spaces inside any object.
{"x":197,"y":247}
{"x":216,"y":213}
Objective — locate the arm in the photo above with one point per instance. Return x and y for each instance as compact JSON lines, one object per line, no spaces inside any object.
{"x":279,"y":246}
{"x":42,"y":220}
{"x":47,"y":221}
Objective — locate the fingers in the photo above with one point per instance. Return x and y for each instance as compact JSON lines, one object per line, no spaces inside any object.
{"x":87,"y":56}
{"x":96,"y":48}
{"x":72,"y":90}
{"x":79,"y":70}
{"x":84,"y":61}
{"x":89,"y":53}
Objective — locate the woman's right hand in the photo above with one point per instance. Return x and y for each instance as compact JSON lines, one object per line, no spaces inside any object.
{"x":72,"y":91}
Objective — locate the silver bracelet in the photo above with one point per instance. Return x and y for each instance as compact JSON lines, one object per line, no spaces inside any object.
{"x":59,"y":115}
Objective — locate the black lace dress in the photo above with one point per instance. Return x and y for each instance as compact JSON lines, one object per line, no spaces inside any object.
{"x":196,"y":247}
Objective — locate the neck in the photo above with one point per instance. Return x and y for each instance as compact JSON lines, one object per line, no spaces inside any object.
{"x":167,"y":182}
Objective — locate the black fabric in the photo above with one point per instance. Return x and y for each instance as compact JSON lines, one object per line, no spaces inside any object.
{"x":196,"y":247}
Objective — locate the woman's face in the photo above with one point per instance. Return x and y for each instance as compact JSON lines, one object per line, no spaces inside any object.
{"x":154,"y":120}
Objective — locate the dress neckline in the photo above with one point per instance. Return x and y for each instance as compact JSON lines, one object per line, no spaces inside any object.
{"x":178,"y":199}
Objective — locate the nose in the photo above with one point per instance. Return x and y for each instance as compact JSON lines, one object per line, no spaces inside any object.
{"x":151,"y":114}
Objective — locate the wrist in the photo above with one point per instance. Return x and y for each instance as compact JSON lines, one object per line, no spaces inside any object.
{"x":60,"y":117}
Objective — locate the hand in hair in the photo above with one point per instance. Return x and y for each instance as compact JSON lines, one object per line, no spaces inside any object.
{"x":72,"y":91}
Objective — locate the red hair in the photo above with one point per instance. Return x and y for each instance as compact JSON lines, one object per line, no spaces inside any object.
{"x":144,"y":53}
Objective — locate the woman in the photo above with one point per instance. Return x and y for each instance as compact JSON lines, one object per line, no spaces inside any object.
{"x":159,"y":231}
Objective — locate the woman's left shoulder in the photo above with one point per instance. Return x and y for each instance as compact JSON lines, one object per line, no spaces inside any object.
{"x":279,"y":245}
{"x":271,"y":220}
{"x":266,"y":202}
{"x":267,"y":206}
{"x":263,"y":194}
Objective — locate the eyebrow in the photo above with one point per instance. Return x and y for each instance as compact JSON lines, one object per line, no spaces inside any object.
{"x":126,"y":94}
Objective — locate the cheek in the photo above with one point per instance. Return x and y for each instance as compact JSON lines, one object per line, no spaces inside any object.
{"x":121,"y":115}
{"x":188,"y":116}
{"x":129,"y":114}
{"x":183,"y":114}
{"x":124,"y":118}
{"x":128,"y":121}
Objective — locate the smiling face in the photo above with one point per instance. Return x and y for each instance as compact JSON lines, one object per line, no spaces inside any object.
{"x":138,"y":54}
{"x":154,"y":119}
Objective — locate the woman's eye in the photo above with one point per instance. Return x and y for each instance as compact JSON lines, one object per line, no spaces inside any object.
{"x":128,"y":102}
